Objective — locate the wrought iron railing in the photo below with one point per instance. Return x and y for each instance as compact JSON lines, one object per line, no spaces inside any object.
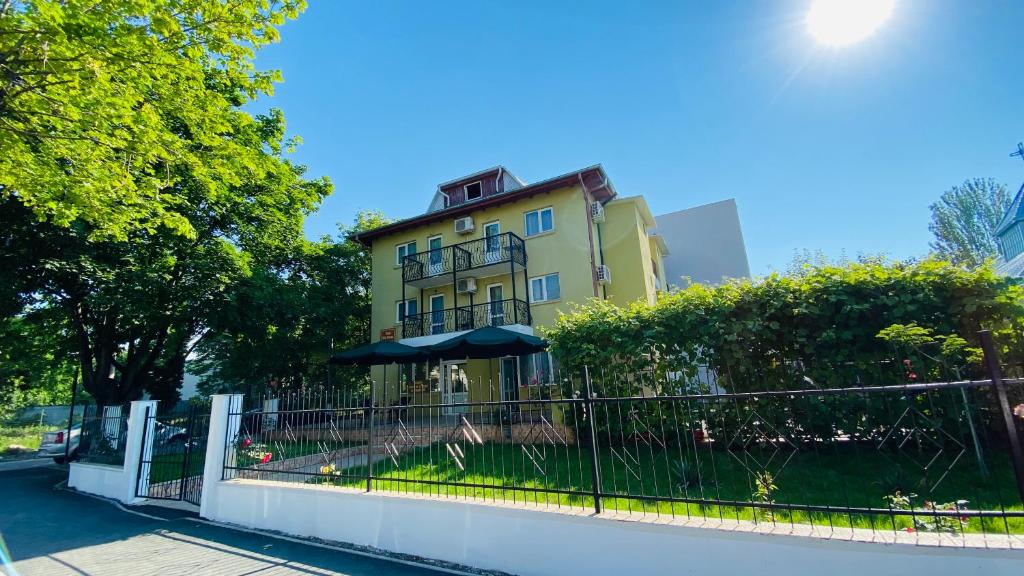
{"x":104,"y":435}
{"x":903,"y":458}
{"x":498,"y":249}
{"x":497,"y":313}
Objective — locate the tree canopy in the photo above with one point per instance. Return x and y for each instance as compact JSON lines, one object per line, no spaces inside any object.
{"x":964,"y":219}
{"x":107,"y":105}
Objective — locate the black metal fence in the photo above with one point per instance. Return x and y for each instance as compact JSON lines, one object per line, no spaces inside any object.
{"x":940,"y":457}
{"x":103,"y":435}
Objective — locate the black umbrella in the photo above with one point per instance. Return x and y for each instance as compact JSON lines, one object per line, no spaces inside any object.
{"x":488,"y":342}
{"x":377,"y":353}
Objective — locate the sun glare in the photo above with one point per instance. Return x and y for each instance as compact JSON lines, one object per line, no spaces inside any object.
{"x":842,"y":22}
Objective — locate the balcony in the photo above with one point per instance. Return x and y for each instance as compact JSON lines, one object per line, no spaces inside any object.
{"x":483,"y":257}
{"x":497,"y":313}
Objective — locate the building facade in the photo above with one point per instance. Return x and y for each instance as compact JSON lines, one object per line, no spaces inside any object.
{"x":1010,"y":239}
{"x":705,"y":244}
{"x":494,"y":250}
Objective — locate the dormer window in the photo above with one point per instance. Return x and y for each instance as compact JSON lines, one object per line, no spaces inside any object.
{"x":474,"y":191}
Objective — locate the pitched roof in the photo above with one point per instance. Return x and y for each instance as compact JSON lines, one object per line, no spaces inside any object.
{"x":1014,"y":214}
{"x":593,"y":177}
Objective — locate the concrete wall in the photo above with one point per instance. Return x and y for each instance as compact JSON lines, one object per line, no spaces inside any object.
{"x":119,"y":482}
{"x":705,"y":244}
{"x":537,"y":542}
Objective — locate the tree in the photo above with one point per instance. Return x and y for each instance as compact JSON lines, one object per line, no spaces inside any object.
{"x":106,"y":105}
{"x":964,"y":220}
{"x":135,"y":306}
{"x":282,"y":321}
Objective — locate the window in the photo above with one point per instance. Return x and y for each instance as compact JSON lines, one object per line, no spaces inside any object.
{"x":540,"y":221}
{"x":413,"y":379}
{"x":539,"y":368}
{"x":474,"y":191}
{"x":403,"y":250}
{"x":545,"y":288}
{"x":403,"y":309}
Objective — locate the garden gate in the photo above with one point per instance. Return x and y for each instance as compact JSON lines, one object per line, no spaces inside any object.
{"x":174,"y":454}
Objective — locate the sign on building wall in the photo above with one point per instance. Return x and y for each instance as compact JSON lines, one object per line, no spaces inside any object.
{"x":387,"y":334}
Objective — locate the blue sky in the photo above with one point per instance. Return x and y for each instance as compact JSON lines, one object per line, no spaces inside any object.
{"x":838,"y":150}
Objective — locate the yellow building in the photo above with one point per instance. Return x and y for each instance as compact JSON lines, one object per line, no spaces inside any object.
{"x":494,"y":250}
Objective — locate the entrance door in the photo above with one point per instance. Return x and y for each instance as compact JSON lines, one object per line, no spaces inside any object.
{"x":509,"y":378}
{"x":455,"y":387}
{"x":173,"y":454}
{"x":437,"y":314}
{"x":496,"y":305}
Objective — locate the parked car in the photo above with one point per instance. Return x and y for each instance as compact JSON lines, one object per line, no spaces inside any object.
{"x":54,"y":443}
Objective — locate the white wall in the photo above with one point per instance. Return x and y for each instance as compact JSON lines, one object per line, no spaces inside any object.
{"x":119,"y":482}
{"x":535,"y":542}
{"x":705,"y":243}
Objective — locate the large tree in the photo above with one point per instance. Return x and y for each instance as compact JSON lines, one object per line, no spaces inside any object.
{"x":135,"y":306}
{"x":964,"y":219}
{"x":282,"y":322}
{"x":105,"y":105}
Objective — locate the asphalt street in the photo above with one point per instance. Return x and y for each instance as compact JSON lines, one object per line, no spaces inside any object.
{"x":50,"y":531}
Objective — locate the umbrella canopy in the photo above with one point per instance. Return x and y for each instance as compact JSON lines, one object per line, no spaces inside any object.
{"x":383,"y":352}
{"x":487,"y":342}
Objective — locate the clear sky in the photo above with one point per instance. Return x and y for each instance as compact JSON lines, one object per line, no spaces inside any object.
{"x":832,"y":149}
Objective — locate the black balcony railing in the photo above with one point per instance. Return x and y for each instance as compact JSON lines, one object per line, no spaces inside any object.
{"x":497,"y":249}
{"x":497,"y":313}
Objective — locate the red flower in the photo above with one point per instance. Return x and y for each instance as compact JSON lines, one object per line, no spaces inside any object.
{"x":912,"y":376}
{"x":246,"y":443}
{"x":910,"y":529}
{"x":266,"y":458}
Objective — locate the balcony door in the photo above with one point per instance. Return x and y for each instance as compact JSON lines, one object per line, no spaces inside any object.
{"x":510,"y":379}
{"x":495,"y":305}
{"x":492,"y":242}
{"x":435,"y":258}
{"x":437,"y":314}
{"x":455,"y":387}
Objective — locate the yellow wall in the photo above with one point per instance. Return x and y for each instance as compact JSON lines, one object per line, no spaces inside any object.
{"x":565,"y":250}
{"x":627,"y":251}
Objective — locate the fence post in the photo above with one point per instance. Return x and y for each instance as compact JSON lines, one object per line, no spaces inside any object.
{"x":369,"y":437}
{"x":595,"y":468}
{"x":995,"y":373}
{"x":225,"y":424}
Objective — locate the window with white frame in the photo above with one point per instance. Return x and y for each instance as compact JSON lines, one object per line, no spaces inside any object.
{"x":538,"y":369}
{"x":539,"y":221}
{"x":474,"y":191}
{"x":403,"y":250}
{"x":545,"y":288}
{"x":403,"y":309}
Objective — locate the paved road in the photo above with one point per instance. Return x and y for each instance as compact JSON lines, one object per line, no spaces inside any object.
{"x":49,"y":531}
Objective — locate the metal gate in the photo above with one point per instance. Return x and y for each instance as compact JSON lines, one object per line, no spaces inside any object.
{"x":176,"y":448}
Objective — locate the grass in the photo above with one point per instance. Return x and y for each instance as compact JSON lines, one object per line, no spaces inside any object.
{"x":28,"y":436}
{"x":840,"y":477}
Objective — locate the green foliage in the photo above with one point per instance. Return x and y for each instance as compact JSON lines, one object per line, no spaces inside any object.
{"x":279,"y":325}
{"x":817,"y":328}
{"x":110,"y":110}
{"x":964,"y":219}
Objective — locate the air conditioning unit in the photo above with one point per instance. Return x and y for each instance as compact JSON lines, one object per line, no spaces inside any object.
{"x":604,"y":274}
{"x":466,"y":286}
{"x":597,"y":212}
{"x":464,"y":225}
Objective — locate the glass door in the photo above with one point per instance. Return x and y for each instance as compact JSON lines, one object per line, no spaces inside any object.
{"x":437,"y":314}
{"x":492,"y":242}
{"x":435,"y":256}
{"x":496,"y":305}
{"x":456,"y":388}
{"x":509,"y":379}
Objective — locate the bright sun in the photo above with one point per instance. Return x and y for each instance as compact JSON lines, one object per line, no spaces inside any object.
{"x":842,"y":22}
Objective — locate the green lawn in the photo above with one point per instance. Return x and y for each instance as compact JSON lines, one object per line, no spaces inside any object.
{"x":26,"y":435}
{"x":843,"y":476}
